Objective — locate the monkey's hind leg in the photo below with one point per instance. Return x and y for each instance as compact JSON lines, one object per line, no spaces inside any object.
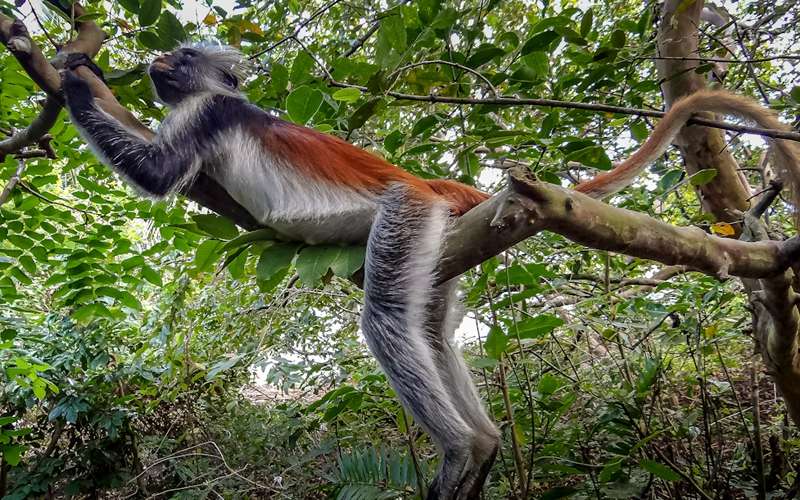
{"x":445,"y":314}
{"x":402,"y":257}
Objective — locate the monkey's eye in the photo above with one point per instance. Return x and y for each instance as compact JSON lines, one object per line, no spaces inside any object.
{"x":190,"y":54}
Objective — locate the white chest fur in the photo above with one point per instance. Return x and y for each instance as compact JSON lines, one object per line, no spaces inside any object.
{"x":280,"y":196}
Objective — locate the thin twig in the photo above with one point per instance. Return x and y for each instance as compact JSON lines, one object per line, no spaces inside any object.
{"x":553,"y":103}
{"x":360,"y":41}
{"x":446,"y":63}
{"x":297,"y":30}
{"x":716,"y":59}
{"x":41,"y":26}
{"x":13,"y":181}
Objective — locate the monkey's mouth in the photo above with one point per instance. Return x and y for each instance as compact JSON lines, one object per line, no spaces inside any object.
{"x":165,"y":73}
{"x":160,"y":66}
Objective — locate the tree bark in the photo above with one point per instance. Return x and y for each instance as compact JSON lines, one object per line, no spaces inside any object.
{"x":774,"y":301}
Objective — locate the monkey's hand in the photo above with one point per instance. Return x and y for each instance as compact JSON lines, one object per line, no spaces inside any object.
{"x":77,"y":59}
{"x":76,"y":92}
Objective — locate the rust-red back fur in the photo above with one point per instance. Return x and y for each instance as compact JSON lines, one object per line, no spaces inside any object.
{"x":328,"y":158}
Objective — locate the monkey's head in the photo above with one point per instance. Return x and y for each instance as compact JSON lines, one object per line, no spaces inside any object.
{"x":195,"y":69}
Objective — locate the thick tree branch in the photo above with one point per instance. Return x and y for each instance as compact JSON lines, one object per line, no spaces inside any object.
{"x":14,"y":35}
{"x":31,"y":134}
{"x":530,"y":206}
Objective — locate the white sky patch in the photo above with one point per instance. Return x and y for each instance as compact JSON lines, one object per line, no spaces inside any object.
{"x":194,"y":11}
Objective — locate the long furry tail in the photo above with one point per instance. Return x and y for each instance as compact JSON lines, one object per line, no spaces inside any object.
{"x":786,"y":154}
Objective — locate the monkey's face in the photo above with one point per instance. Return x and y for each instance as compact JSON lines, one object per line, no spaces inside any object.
{"x":186,"y":71}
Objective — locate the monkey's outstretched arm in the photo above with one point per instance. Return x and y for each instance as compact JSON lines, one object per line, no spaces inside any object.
{"x":155,"y":167}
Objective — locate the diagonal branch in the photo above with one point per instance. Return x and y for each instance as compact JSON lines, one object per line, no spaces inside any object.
{"x":530,"y":206}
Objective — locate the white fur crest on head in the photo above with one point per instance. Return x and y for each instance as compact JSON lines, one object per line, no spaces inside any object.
{"x":222,"y":57}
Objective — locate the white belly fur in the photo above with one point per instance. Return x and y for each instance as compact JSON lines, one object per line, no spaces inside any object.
{"x":278,"y":196}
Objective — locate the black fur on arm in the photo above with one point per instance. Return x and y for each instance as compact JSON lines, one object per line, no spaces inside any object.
{"x":155,"y":167}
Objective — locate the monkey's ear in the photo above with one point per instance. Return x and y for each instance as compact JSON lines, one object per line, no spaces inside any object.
{"x":230,"y":80}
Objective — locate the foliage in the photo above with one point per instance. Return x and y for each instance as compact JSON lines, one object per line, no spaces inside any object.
{"x":131,"y":330}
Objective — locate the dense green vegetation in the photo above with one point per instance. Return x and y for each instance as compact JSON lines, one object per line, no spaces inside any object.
{"x":149,"y":348}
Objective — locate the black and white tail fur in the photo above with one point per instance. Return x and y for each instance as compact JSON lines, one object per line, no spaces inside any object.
{"x":409,"y":324}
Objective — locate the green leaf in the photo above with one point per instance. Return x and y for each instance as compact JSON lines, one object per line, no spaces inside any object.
{"x":592,"y":156}
{"x":795,"y":93}
{"x":149,"y":11}
{"x":131,"y":6}
{"x":609,"y":471}
{"x":703,"y":177}
{"x":39,"y":389}
{"x":586,"y":22}
{"x":214,"y":225}
{"x":249,"y":237}
{"x":347,"y":95}
{"x":618,"y":39}
{"x":661,"y":471}
{"x":84,"y":313}
{"x":496,"y":343}
{"x":208,"y":252}
{"x":150,"y":40}
{"x":221,"y":366}
{"x":279,"y":77}
{"x":151,"y":275}
{"x":348,"y":261}
{"x":303,"y":103}
{"x":275,"y":258}
{"x":89,"y":16}
{"x":131,"y":262}
{"x":266,"y":286}
{"x":301,"y":68}
{"x":13,"y":453}
{"x":483,"y":55}
{"x":670,"y":178}
{"x":549,"y":383}
{"x":445,"y":19}
{"x":639,"y":130}
{"x":540,"y":42}
{"x":170,"y":30}
{"x":539,"y":63}
{"x":313,"y":262}
{"x":538,"y":326}
{"x":393,"y":141}
{"x":391,"y":41}
{"x":424,"y":124}
{"x":365,"y":112}
{"x":237,"y":264}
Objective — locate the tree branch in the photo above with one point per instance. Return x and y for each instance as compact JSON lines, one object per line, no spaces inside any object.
{"x":12,"y":182}
{"x":530,"y":206}
{"x":554,"y":103}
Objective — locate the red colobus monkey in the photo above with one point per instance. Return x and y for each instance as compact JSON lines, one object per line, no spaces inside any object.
{"x":317,"y":188}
